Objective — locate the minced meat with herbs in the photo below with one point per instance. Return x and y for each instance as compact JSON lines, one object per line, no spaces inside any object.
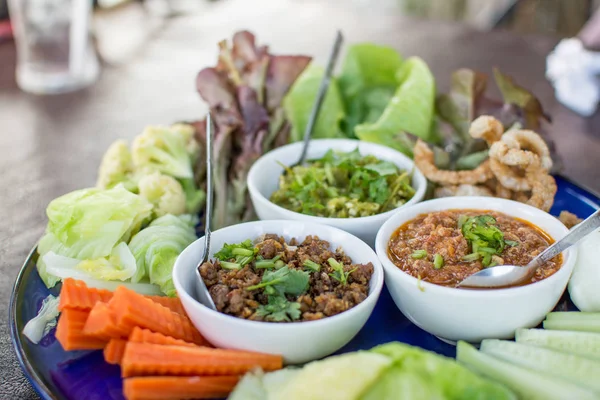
{"x":446,"y":247}
{"x":275,"y":281}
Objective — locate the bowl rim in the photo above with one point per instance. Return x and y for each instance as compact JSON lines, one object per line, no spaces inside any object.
{"x":454,"y":203}
{"x":372,"y":296}
{"x":257,"y":195}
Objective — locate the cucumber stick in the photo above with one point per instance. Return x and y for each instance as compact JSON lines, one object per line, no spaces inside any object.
{"x":573,"y":321}
{"x":579,"y":370}
{"x":573,"y":316}
{"x":580,"y":343}
{"x":528,"y":384}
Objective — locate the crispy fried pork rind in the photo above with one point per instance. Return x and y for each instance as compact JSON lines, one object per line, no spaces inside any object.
{"x":463,"y":190}
{"x":569,"y":219}
{"x":518,"y":167}
{"x":486,"y":128}
{"x":424,"y":159}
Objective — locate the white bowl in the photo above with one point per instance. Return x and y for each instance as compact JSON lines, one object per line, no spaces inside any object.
{"x":263,"y":180}
{"x":298,"y":342}
{"x":473,"y":315}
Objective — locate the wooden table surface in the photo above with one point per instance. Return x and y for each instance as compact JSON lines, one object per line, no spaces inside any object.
{"x":52,"y":145}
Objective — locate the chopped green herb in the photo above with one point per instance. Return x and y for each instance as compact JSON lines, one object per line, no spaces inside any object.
{"x":284,"y":281}
{"x":471,"y":257}
{"x":237,"y":255}
{"x":231,"y":265}
{"x":311,"y":265}
{"x":419,"y":254}
{"x":511,"y":243}
{"x":338,"y":271}
{"x":343,"y":185}
{"x":264,"y":264}
{"x":226,"y":253}
{"x":438,"y":261}
{"x":279,"y":309}
{"x":485,"y":238}
{"x":279,"y":264}
{"x":239,"y":251}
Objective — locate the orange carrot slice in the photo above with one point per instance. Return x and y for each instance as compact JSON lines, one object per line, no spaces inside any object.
{"x":101,"y":324}
{"x":69,"y":331}
{"x":172,"y":303}
{"x":139,"y":335}
{"x":153,"y":359}
{"x":177,"y":387}
{"x":113,"y":352}
{"x":75,"y":294}
{"x":132,"y":309}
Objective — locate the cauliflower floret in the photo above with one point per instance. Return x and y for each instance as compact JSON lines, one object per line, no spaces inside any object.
{"x":116,"y":167}
{"x":188,"y":131}
{"x":164,"y":192}
{"x":165,"y":150}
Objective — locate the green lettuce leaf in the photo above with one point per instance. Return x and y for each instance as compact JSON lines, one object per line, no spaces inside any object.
{"x":398,"y":383}
{"x":452,"y":380}
{"x":410,"y":110}
{"x":368,"y":65}
{"x":367,"y":83}
{"x":299,"y":101}
{"x":87,"y":224}
{"x":156,"y":248}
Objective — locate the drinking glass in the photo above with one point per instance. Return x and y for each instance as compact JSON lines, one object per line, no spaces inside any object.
{"x":54,"y":47}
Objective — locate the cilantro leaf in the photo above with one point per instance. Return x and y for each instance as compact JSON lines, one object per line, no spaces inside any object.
{"x":382,"y":168}
{"x":279,"y":309}
{"x":284,"y":281}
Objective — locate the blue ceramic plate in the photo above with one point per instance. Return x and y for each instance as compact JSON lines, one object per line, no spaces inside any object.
{"x":56,"y":374}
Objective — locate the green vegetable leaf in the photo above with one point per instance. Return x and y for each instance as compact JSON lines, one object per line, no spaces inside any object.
{"x":343,"y":185}
{"x":458,"y":107}
{"x":87,"y":224}
{"x":279,"y":309}
{"x":157,"y":246}
{"x":299,"y":102}
{"x":243,"y":253}
{"x":368,"y":65}
{"x":485,"y":238}
{"x":383,"y":168}
{"x":511,"y":243}
{"x":521,"y":97}
{"x":410,"y":110}
{"x":284,"y":281}
{"x":367,"y":83}
{"x":471,"y":161}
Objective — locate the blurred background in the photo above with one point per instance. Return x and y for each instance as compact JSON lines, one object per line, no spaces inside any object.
{"x":556,"y":17}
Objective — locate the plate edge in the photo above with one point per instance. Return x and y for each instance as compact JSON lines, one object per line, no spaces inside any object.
{"x":36,"y":381}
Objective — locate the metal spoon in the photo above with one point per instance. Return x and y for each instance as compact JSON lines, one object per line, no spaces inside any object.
{"x":314,"y":113}
{"x":202,"y":291}
{"x":508,"y":275}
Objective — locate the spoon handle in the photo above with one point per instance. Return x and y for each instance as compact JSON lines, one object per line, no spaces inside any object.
{"x":590,"y":224}
{"x":209,"y":187}
{"x":314,"y":113}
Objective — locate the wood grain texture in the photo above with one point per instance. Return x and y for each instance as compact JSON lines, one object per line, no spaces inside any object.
{"x":52,"y":145}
